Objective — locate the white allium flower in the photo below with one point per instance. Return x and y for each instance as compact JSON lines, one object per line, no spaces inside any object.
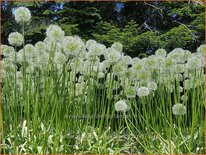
{"x":169,"y":62}
{"x":177,"y":55}
{"x":73,"y":45}
{"x":137,"y":64}
{"x":179,"y":109}
{"x":20,"y":56}
{"x":119,"y":68}
{"x":15,"y":39}
{"x":60,"y":58}
{"x":7,"y":50}
{"x":117,"y":46}
{"x":22,"y":15}
{"x":179,"y":68}
{"x":161,"y":52}
{"x":112,"y":55}
{"x":152,"y":85}
{"x":187,"y":84}
{"x":89,"y":43}
{"x":55,"y":33}
{"x":101,"y":75}
{"x":195,"y":62}
{"x":127,"y":60}
{"x":184,"y":97}
{"x":30,"y":51}
{"x":121,"y":106}
{"x":97,"y":49}
{"x":130,"y":91}
{"x":143,"y":75}
{"x":201,"y":50}
{"x":143,"y":91}
{"x":151,"y":62}
{"x":180,"y":89}
{"x":40,"y":46}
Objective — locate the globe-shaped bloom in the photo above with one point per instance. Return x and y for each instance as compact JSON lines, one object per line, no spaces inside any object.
{"x":195,"y":62}
{"x":161,"y":52}
{"x":7,"y":50}
{"x":152,"y":85}
{"x":73,"y":45}
{"x":130,"y":91}
{"x":112,"y":55}
{"x":60,"y":58}
{"x":179,"y":109}
{"x":55,"y":33}
{"x":22,"y":15}
{"x":143,"y":91}
{"x":201,"y":50}
{"x":121,"y":106}
{"x":15,"y":39}
{"x":117,"y":46}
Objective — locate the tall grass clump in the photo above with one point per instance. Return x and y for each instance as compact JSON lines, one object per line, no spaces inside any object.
{"x":64,"y":95}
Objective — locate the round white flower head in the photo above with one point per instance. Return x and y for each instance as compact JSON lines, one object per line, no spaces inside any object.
{"x":195,"y":63}
{"x":201,"y":50}
{"x":101,"y":75}
{"x":152,"y":85}
{"x":40,"y":46}
{"x":7,"y":50}
{"x":89,"y":43}
{"x":112,"y":55}
{"x":121,"y":106}
{"x":15,"y":39}
{"x":97,"y":49}
{"x":55,"y":33}
{"x":73,"y":45}
{"x":142,"y":91}
{"x":130,"y":91}
{"x":127,"y":60}
{"x":184,"y":98}
{"x":22,"y":15}
{"x":117,"y":46}
{"x":60,"y":58}
{"x":30,"y":51}
{"x":179,"y":109}
{"x":161,"y":53}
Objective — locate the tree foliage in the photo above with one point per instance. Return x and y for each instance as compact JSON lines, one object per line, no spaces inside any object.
{"x":140,"y":26}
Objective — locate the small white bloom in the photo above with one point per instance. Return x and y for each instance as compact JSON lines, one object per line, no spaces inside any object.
{"x":101,"y":75}
{"x":7,"y":50}
{"x":97,"y":49}
{"x":142,"y":91}
{"x":161,"y":53}
{"x":22,"y":15}
{"x":60,"y":58}
{"x":130,"y":91}
{"x":201,"y":50}
{"x":89,"y":43}
{"x":117,"y":46}
{"x":55,"y":33}
{"x":184,"y":97}
{"x":180,"y":89}
{"x":121,"y":106}
{"x":73,"y":45}
{"x":179,"y":109}
{"x":112,"y":55}
{"x":152,"y":85}
{"x":15,"y":39}
{"x":195,"y":62}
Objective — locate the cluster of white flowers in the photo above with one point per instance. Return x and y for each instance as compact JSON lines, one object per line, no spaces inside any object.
{"x":133,"y":77}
